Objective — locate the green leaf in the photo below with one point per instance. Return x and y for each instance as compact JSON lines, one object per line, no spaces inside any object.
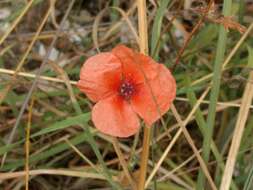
{"x":63,"y":124}
{"x":168,"y":186}
{"x":79,"y":119}
{"x":156,"y":29}
{"x":56,"y":149}
{"x":204,"y":38}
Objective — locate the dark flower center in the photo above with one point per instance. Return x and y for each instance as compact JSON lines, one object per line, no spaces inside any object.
{"x":126,"y":90}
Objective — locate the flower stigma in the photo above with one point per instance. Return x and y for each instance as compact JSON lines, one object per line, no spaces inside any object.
{"x":126,"y":90}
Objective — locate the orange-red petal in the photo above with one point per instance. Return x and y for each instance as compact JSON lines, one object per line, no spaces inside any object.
{"x":100,"y":76}
{"x":134,"y":64}
{"x":115,"y":117}
{"x":149,"y":103}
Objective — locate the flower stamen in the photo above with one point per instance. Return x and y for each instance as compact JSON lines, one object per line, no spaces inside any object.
{"x":126,"y":90}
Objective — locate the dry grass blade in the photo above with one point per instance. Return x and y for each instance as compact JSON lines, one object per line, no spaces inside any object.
{"x":40,"y":64}
{"x":157,"y":166}
{"x":123,"y":162}
{"x":175,"y":178}
{"x":4,"y":50}
{"x":238,"y":44}
{"x":32,"y":76}
{"x":194,"y":30}
{"x":81,"y":155}
{"x":195,"y":150}
{"x":27,"y":145}
{"x":67,"y":172}
{"x":234,"y":103}
{"x":159,"y":163}
{"x":95,"y":28}
{"x":118,"y":24}
{"x":178,"y":167}
{"x":65,"y":78}
{"x":24,"y":57}
{"x":27,"y":7}
{"x":229,"y":57}
{"x":240,"y":124}
{"x":10,"y":138}
{"x":51,"y":108}
{"x":125,"y":17}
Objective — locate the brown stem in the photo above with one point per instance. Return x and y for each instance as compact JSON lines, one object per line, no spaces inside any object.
{"x":142,"y":20}
{"x":144,"y":158}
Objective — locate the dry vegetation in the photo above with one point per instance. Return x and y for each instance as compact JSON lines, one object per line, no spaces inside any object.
{"x":47,"y":139}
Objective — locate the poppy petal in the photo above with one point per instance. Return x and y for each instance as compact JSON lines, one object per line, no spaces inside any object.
{"x":134,"y":64}
{"x":145,"y":102}
{"x":115,"y":117}
{"x":100,"y":76}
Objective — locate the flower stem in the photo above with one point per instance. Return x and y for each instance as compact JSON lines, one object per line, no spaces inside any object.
{"x":144,"y":158}
{"x":142,"y":21}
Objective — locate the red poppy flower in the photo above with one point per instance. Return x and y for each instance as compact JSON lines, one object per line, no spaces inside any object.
{"x":125,"y":84}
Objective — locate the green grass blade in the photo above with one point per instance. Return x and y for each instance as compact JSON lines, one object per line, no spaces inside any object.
{"x":216,"y":80}
{"x":58,"y":125}
{"x":93,"y":144}
{"x":248,"y":184}
{"x":241,"y":10}
{"x":201,"y":124}
{"x":76,"y":120}
{"x":156,"y":29}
